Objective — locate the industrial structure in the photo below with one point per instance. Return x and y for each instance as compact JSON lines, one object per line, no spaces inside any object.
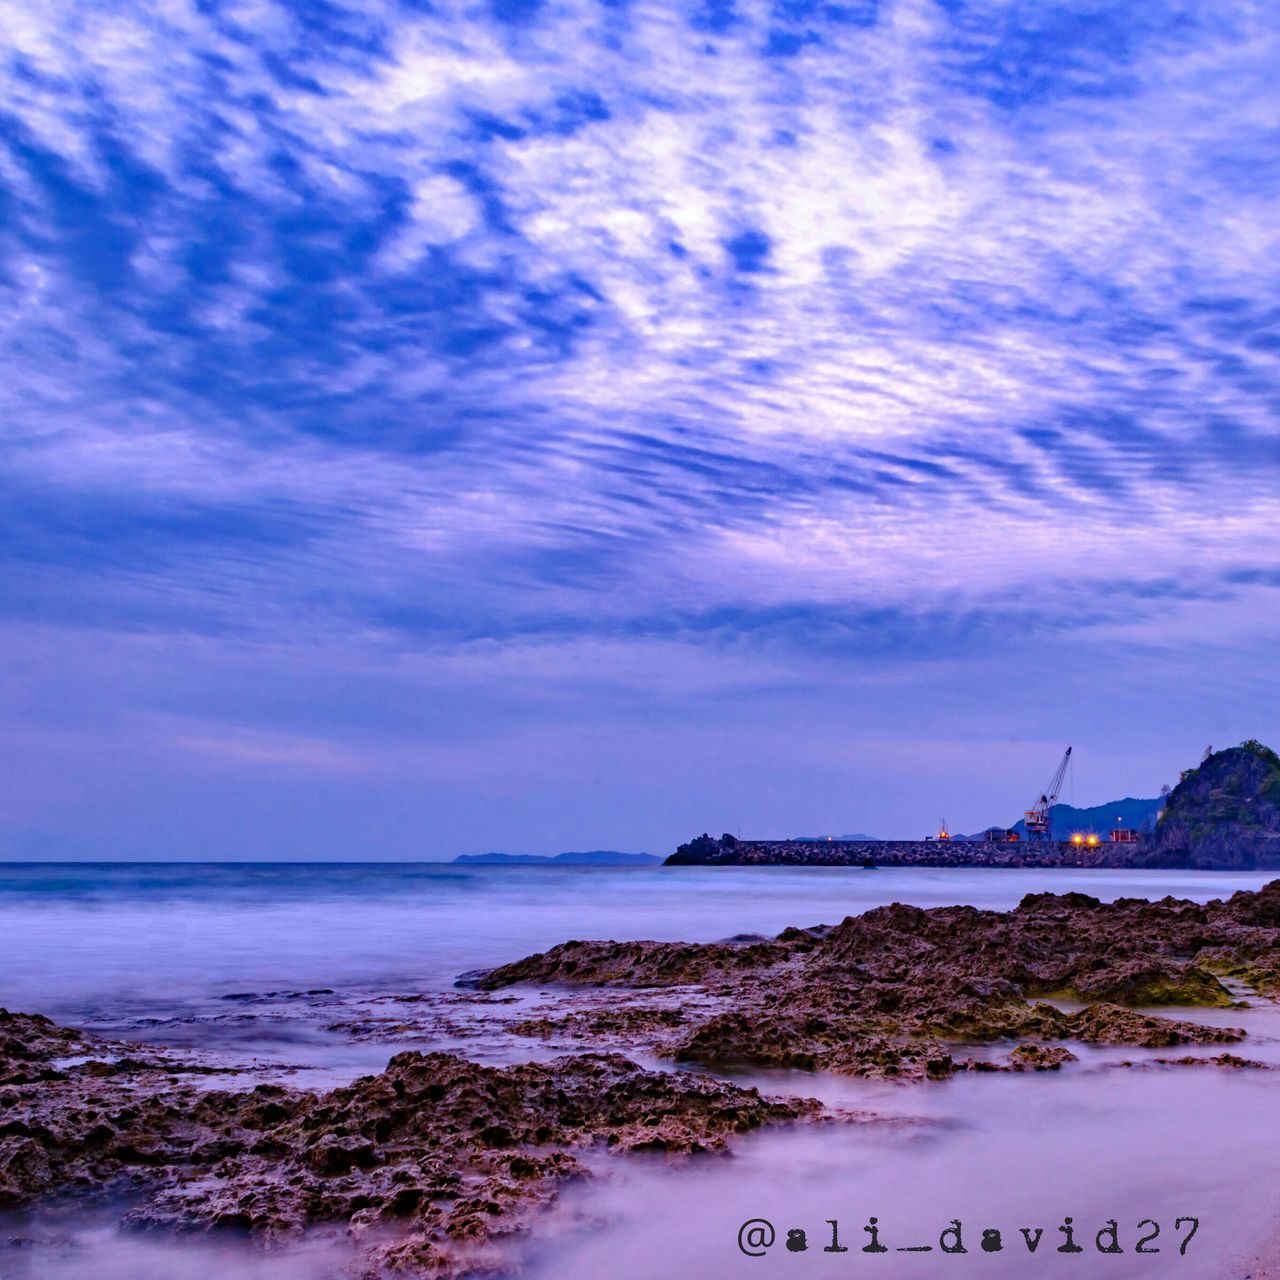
{"x":1037,"y":822}
{"x":1038,"y":819}
{"x":1001,"y":835}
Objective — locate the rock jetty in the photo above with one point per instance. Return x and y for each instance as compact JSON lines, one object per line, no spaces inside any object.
{"x":729,"y":851}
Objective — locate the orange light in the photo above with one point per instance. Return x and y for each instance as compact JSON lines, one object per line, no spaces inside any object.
{"x":1093,"y":839}
{"x":1077,"y":838}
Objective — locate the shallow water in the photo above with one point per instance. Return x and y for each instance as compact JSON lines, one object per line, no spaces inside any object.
{"x":255,"y":963}
{"x":1008,"y":1153}
{"x":74,"y":1245}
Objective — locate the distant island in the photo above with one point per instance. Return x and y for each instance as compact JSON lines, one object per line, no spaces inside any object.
{"x":1223,"y":815}
{"x":849,"y":835}
{"x":589,"y":858}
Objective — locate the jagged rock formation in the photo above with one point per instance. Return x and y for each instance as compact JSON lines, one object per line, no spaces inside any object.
{"x":905,"y":992}
{"x":436,"y":1160}
{"x":1224,"y":814}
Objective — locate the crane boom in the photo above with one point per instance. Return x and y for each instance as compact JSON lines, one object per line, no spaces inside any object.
{"x":1055,"y":787}
{"x":1037,"y":818}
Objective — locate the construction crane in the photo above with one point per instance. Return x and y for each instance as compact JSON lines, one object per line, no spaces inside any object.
{"x":1037,"y":819}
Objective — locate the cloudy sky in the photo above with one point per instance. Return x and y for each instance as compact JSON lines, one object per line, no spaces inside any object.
{"x":430,"y":428}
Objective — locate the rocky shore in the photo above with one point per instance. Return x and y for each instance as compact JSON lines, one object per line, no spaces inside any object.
{"x":439,"y":1165}
{"x":908,"y":993}
{"x":436,"y":1161}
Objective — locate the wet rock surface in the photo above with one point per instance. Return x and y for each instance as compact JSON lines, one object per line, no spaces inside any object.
{"x":903,"y":992}
{"x":433,"y":1162}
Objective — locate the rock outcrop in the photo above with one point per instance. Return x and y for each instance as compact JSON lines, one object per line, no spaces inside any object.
{"x":1224,"y":814}
{"x":906,"y":992}
{"x":436,"y":1160}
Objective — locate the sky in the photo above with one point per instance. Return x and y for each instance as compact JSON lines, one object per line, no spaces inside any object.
{"x":432,"y":428}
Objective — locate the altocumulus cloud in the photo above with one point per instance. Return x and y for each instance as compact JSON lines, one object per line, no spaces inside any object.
{"x":435,"y":387}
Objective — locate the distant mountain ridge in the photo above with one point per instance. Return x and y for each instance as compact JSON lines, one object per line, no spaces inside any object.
{"x":588,"y":858}
{"x":848,"y":835}
{"x":1138,"y":815}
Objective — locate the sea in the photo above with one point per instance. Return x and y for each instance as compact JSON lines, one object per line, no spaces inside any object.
{"x":300,"y":972}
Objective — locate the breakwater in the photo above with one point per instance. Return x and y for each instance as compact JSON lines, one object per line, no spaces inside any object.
{"x":729,"y":851}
